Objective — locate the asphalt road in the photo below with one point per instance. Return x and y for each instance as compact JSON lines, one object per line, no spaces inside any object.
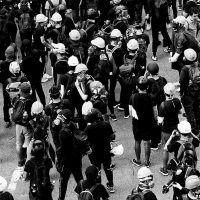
{"x":125,"y":172}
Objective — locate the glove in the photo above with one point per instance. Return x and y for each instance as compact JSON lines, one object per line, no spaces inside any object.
{"x":177,"y":185}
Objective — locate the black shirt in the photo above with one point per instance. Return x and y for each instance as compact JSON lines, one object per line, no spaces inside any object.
{"x":37,"y":34}
{"x":5,"y":73}
{"x":6,"y":196}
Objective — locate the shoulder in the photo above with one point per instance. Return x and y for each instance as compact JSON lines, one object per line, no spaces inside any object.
{"x":150,"y":196}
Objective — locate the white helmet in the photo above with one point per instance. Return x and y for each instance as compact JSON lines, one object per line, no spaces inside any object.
{"x":36,"y":108}
{"x":59,"y":48}
{"x":94,"y":85}
{"x":144,"y":173}
{"x":14,"y":67}
{"x":3,"y":184}
{"x":41,"y":18}
{"x":184,"y":127}
{"x":56,"y":17}
{"x":192,"y":182}
{"x":117,"y":1}
{"x":80,"y":67}
{"x":87,"y":107}
{"x":73,"y":61}
{"x":169,"y":89}
{"x":117,"y":150}
{"x":75,"y":35}
{"x":180,"y":20}
{"x":190,"y":54}
{"x":99,"y":42}
{"x":133,"y":44}
{"x":116,"y":33}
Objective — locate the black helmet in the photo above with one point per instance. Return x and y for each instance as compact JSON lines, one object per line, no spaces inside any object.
{"x":142,"y":83}
{"x":54,"y":92}
{"x":153,"y":68}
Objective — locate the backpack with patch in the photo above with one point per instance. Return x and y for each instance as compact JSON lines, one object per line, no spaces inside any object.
{"x":55,"y":109}
{"x":18,"y":109}
{"x":61,"y":36}
{"x":79,"y":52}
{"x":110,"y":52}
{"x":136,"y":195}
{"x":194,"y":73}
{"x":86,"y":194}
{"x":41,"y":181}
{"x":156,"y":90}
{"x":25,"y":23}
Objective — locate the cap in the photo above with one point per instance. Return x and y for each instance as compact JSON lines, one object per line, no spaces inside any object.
{"x":3,"y":184}
{"x":25,"y":88}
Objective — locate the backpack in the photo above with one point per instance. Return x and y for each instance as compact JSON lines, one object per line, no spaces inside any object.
{"x":41,"y":181}
{"x":55,"y":109}
{"x":87,"y":194}
{"x":25,"y":23}
{"x":54,"y":8}
{"x":156,"y":89}
{"x":61,"y":36}
{"x":136,"y":195}
{"x":92,"y":4}
{"x":13,"y":88}
{"x":79,"y":52}
{"x":194,"y":73}
{"x":18,"y":110}
{"x":111,"y":58}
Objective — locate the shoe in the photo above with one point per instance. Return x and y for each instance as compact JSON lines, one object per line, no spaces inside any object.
{"x":126,"y":116}
{"x":110,"y":189}
{"x":112,"y":167}
{"x":8,"y":124}
{"x":116,"y":104}
{"x":135,"y":162}
{"x":113,"y":117}
{"x":44,"y":80}
{"x":154,"y":58}
{"x":47,"y":76}
{"x":148,"y":27}
{"x":167,"y":50}
{"x":120,"y":108}
{"x":168,"y":26}
{"x":147,"y":164}
{"x":154,"y":148}
{"x":164,"y":171}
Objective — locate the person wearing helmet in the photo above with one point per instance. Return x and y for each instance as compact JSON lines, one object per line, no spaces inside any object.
{"x":141,"y":110}
{"x":189,"y":88}
{"x":145,"y":185}
{"x":3,"y":187}
{"x":159,"y":18}
{"x":168,"y":118}
{"x":181,"y":41}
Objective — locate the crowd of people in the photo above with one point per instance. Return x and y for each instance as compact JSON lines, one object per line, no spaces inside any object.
{"x":91,"y":45}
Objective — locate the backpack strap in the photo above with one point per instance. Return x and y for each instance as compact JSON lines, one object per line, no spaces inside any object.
{"x":94,"y":187}
{"x":51,"y":4}
{"x":188,"y":171}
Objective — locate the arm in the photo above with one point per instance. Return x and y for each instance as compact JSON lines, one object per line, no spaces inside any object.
{"x":83,"y":96}
{"x":62,"y":90}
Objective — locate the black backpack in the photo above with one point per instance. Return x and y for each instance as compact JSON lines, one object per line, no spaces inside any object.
{"x":61,"y":36}
{"x":136,"y":195}
{"x":79,"y":52}
{"x":25,"y":23}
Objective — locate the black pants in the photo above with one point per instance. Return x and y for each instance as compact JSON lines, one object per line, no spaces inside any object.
{"x":45,"y":197}
{"x":36,"y":86}
{"x":53,"y":59}
{"x":76,"y":170}
{"x":174,"y":8}
{"x":155,"y":32}
{"x":6,"y":104}
{"x":106,"y":161}
{"x":23,"y":36}
{"x":155,"y":135}
{"x":191,"y":105}
{"x":113,"y":83}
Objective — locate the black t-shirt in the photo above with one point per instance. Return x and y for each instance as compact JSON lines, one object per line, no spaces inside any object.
{"x":98,"y":192}
{"x":37,"y":34}
{"x":99,"y":136}
{"x":169,"y":110}
{"x":150,"y":196}
{"x":143,"y":105}
{"x":6,"y":196}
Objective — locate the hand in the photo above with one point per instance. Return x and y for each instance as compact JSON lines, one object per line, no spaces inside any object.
{"x":147,"y":16}
{"x":177,"y":185}
{"x":172,"y":59}
{"x":77,"y":83}
{"x":68,"y":11}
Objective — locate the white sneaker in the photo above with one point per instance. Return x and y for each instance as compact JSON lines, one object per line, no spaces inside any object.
{"x":148,"y":27}
{"x":47,"y":76}
{"x":43,"y":80}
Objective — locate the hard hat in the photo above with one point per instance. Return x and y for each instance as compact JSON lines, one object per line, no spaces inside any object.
{"x":86,"y":108}
{"x":59,"y":48}
{"x":73,"y":61}
{"x":56,"y":17}
{"x":74,"y":35}
{"x":14,"y":67}
{"x":153,"y":68}
{"x":144,"y":173}
{"x":95,"y":85}
{"x":117,"y":1}
{"x":117,"y":150}
{"x":116,"y":33}
{"x":3,"y":184}
{"x":98,"y":42}
{"x":80,"y":67}
{"x":169,"y":89}
{"x":190,"y":54}
{"x":41,"y":18}
{"x":133,"y":44}
{"x":37,"y":107}
{"x":180,"y":20}
{"x":184,"y":127}
{"x":192,"y":182}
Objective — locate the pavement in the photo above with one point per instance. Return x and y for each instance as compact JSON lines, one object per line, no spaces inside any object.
{"x":125,"y":172}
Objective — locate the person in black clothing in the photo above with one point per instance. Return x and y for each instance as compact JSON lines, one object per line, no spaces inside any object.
{"x":4,"y":75}
{"x":33,"y":69}
{"x":91,"y":183}
{"x":100,"y":134}
{"x":4,"y":195}
{"x":187,"y":5}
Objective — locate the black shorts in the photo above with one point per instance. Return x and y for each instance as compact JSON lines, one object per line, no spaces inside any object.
{"x":140,"y":135}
